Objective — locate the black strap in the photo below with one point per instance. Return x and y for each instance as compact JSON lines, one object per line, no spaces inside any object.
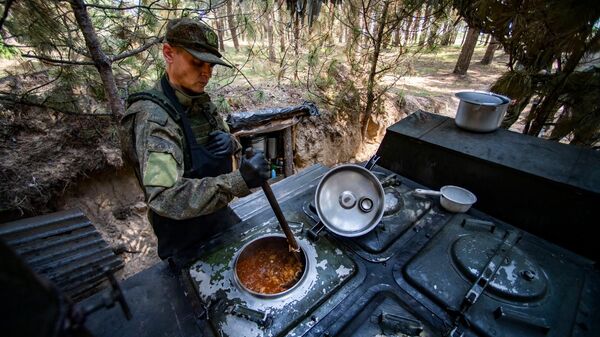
{"x":176,"y":111}
{"x":185,"y":124}
{"x":156,"y":97}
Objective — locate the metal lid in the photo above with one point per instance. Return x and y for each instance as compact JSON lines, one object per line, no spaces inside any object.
{"x":349,"y":200}
{"x":482,"y":98}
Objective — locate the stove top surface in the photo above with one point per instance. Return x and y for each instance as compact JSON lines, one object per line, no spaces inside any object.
{"x":232,"y":311}
{"x":421,"y":272}
{"x":519,"y":285}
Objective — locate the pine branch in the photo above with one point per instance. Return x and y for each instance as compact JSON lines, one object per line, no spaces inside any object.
{"x":58,"y":61}
{"x":90,"y":63}
{"x":151,"y":8}
{"x":136,"y":51}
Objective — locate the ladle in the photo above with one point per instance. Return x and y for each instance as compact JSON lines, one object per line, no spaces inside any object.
{"x":453,"y":198}
{"x":294,"y":248}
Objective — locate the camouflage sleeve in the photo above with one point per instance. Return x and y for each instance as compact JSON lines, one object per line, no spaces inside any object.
{"x":159,"y":150}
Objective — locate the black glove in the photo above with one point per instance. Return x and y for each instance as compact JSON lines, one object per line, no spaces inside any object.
{"x":220,"y":144}
{"x":255,"y":170}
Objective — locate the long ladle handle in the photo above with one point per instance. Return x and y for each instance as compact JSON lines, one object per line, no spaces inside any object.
{"x":277,"y":210}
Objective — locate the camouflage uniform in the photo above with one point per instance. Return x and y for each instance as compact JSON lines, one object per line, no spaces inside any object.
{"x":156,"y":145}
{"x":164,"y":132}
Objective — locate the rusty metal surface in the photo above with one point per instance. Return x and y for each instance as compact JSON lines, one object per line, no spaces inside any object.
{"x":63,"y":247}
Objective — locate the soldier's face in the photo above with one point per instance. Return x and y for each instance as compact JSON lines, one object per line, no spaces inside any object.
{"x":186,"y":72}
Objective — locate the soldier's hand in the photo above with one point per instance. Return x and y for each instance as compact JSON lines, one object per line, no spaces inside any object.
{"x":220,"y":144}
{"x":255,"y":169}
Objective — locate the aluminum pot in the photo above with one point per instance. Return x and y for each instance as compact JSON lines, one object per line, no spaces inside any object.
{"x":256,"y":245}
{"x":480,"y":111}
{"x":453,"y":198}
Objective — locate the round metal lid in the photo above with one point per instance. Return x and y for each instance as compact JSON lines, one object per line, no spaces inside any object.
{"x":518,"y":279}
{"x":482,"y":98}
{"x":349,"y":200}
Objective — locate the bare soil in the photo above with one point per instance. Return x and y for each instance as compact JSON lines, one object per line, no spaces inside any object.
{"x":53,"y":161}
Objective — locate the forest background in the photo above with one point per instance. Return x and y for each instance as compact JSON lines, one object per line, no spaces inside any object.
{"x":68,"y":66}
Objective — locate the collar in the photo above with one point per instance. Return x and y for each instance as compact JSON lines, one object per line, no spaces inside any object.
{"x":187,"y":100}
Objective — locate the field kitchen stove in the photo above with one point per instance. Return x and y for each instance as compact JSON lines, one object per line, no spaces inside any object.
{"x":422,"y":271}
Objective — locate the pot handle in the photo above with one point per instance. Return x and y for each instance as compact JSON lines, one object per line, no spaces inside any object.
{"x":369,"y":165}
{"x":313,"y":233}
{"x":427,"y":192}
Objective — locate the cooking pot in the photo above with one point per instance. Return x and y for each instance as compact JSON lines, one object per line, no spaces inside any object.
{"x":349,"y":201}
{"x":453,"y":198}
{"x":254,"y":247}
{"x":480,"y":111}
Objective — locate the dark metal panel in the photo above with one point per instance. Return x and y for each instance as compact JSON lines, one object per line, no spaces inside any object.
{"x":158,"y":302}
{"x":503,"y":169}
{"x":63,"y":247}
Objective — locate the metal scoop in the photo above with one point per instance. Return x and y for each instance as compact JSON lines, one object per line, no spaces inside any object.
{"x":453,"y":198}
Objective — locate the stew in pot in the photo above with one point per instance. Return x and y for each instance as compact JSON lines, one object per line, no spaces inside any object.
{"x":268,"y":267}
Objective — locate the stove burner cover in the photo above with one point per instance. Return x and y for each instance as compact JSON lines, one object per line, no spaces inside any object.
{"x":392,"y":201}
{"x":518,"y":279}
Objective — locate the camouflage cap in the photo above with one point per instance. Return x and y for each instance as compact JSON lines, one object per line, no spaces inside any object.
{"x":196,"y":38}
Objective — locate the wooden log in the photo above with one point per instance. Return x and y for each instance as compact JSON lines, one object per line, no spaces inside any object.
{"x":288,"y":152}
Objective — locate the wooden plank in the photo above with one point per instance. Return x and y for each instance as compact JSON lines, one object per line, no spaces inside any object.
{"x":288,"y":152}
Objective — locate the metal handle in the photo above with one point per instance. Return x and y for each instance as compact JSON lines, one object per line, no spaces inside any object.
{"x":522,"y":318}
{"x":391,"y":324}
{"x":372,"y":161}
{"x":313,"y":233}
{"x":256,"y":316}
{"x":278,"y":213}
{"x":427,"y":192}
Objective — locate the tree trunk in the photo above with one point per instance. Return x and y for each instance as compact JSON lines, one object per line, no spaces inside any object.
{"x":281,"y":26}
{"x":296,"y":19}
{"x":270,"y":38}
{"x":489,"y":52}
{"x":415,"y":27}
{"x":487,"y":39}
{"x":232,"y":25}
{"x":446,"y":34}
{"x":219,"y":24}
{"x":435,"y":30}
{"x":466,"y":52}
{"x":407,"y":30}
{"x":101,"y":61}
{"x":371,"y":81}
{"x":331,"y":21}
{"x":396,"y":38}
{"x":453,"y":34}
{"x":288,"y":152}
{"x":464,"y":38}
{"x":426,"y":24}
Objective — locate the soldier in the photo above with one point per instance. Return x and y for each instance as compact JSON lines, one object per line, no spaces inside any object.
{"x":181,"y":149}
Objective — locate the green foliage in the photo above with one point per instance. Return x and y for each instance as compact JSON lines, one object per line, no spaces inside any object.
{"x":222,"y":104}
{"x":259,"y":96}
{"x":7,"y":52}
{"x":581,"y":108}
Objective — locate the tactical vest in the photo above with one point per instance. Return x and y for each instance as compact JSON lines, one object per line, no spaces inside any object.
{"x":181,"y":236}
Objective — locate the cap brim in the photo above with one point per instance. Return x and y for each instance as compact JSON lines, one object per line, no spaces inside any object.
{"x":207,"y":57}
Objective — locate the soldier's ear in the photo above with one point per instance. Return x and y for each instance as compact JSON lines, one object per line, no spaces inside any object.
{"x":168,"y":52}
